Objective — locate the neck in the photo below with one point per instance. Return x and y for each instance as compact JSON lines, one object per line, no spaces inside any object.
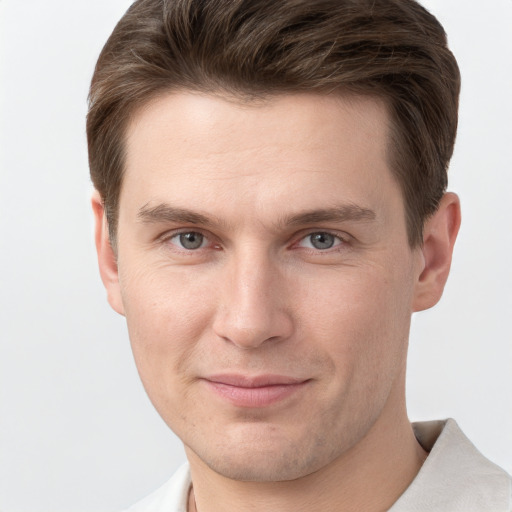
{"x":370,"y":476}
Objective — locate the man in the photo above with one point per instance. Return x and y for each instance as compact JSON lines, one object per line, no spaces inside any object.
{"x":270,"y":210}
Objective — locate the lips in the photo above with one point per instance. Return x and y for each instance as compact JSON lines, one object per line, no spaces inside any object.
{"x":254,"y":391}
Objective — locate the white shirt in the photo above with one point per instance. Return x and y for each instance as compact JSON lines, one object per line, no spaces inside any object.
{"x":456,"y":477}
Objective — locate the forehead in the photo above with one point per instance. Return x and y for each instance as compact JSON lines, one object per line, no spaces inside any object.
{"x":282,"y":151}
{"x":291,"y":117}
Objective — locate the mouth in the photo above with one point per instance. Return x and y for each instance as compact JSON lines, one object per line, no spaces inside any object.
{"x":256,"y":391}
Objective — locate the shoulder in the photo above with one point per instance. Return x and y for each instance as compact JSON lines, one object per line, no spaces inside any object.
{"x":171,"y":497}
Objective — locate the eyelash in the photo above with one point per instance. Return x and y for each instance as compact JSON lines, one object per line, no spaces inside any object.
{"x":342,"y":240}
{"x":338,"y":242}
{"x":167,"y":239}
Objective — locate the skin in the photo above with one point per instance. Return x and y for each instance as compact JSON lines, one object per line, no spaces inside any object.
{"x":258,"y":297}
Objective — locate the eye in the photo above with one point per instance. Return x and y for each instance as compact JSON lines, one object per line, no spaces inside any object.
{"x":190,"y":241}
{"x":320,"y":241}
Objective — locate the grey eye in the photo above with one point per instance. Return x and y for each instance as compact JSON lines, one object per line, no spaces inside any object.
{"x":322,"y":240}
{"x":191,"y":240}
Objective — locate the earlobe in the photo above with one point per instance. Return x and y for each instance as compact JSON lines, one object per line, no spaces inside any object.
{"x":107,"y":260}
{"x":439,"y":235}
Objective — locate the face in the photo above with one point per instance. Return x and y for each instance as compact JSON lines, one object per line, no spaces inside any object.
{"x":266,"y":277}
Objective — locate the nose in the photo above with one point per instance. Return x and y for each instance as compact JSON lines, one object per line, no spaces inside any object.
{"x":253,"y":307}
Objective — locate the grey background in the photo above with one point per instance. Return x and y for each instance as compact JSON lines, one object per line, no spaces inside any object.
{"x":77,"y":433}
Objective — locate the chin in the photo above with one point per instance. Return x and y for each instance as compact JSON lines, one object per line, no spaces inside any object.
{"x":271,"y":468}
{"x":267,"y":459}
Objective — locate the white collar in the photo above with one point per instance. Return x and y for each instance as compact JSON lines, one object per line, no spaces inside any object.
{"x":455,"y":477}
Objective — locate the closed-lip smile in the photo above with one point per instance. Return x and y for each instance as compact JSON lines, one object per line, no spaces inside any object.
{"x":254,"y":391}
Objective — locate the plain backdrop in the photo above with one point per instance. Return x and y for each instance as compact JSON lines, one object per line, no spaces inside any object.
{"x":77,"y":433}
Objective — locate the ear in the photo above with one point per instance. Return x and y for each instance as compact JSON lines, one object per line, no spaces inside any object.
{"x":439,"y":234}
{"x":107,"y":260}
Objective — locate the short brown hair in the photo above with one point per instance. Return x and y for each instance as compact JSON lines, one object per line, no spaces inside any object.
{"x":393,"y":49}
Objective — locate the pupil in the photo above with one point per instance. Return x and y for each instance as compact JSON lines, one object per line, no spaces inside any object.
{"x":322,"y":240}
{"x":191,"y":240}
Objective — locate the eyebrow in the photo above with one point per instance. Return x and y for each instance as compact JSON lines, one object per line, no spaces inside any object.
{"x":343,"y":213}
{"x":167,"y":213}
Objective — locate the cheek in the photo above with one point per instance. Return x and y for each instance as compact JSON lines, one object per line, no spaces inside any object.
{"x":166,"y":313}
{"x":361,"y":316}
